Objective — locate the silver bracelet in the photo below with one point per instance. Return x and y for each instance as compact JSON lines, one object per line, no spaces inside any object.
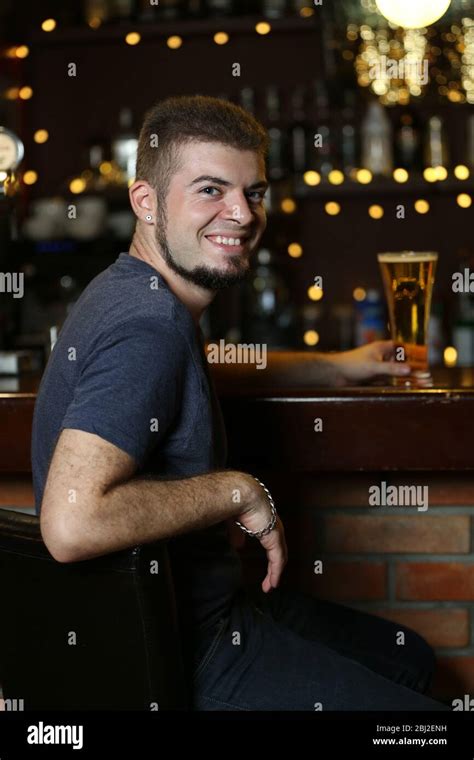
{"x":271,"y":524}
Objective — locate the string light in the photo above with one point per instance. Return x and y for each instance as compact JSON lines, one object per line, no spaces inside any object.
{"x":312,"y":178}
{"x":450,"y":356}
{"x":359,"y":294}
{"x":41,"y":136}
{"x":400,"y":175}
{"x":376,"y":212}
{"x":48,"y":25}
{"x":77,"y":185}
{"x":174,"y":42}
{"x":133,"y":38}
{"x":263,"y":27}
{"x":30,"y":177}
{"x":311,"y":337}
{"x":464,"y":200}
{"x":336,"y":177}
{"x":461,"y":172}
{"x":332,"y":208}
{"x":364,"y":176}
{"x":422,"y":206}
{"x":25,"y":93}
{"x":315,"y":293}
{"x":221,"y":38}
{"x":295,"y":250}
{"x":288,"y":206}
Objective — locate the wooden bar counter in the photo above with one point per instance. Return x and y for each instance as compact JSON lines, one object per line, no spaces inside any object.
{"x":320,"y":450}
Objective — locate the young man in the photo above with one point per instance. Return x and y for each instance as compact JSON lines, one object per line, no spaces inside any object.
{"x":127,"y":419}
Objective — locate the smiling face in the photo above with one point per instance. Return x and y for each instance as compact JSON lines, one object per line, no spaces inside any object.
{"x":214,"y":215}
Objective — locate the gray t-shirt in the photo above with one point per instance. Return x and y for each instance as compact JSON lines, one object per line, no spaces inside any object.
{"x":129,"y":366}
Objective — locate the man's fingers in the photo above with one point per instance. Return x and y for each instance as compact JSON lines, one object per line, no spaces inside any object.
{"x":391,"y":368}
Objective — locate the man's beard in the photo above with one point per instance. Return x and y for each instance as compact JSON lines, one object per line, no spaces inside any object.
{"x":205,"y":277}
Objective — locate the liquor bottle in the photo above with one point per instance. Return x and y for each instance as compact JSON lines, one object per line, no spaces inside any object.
{"x":349,"y":143}
{"x":194,"y":9}
{"x":276,"y":156}
{"x":124,"y":146}
{"x":219,"y":8}
{"x":300,"y":132}
{"x":122,"y":10}
{"x":407,"y":142}
{"x":470,"y":142}
{"x":247,"y":99}
{"x":274,"y":8}
{"x":377,"y":150}
{"x":170,"y":10}
{"x":96,"y":12}
{"x":322,"y":146}
{"x":436,"y":146}
{"x":267,"y":313}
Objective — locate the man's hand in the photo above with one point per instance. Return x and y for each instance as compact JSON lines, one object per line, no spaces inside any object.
{"x":368,"y":362}
{"x":256,"y":517}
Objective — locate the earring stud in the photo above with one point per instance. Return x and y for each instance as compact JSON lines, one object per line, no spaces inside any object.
{"x":148,"y":217}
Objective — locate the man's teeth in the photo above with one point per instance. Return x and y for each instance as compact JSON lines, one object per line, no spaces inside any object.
{"x":227,"y":241}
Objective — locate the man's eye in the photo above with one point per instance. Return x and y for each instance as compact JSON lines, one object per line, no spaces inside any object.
{"x":204,"y":189}
{"x":256,"y":196}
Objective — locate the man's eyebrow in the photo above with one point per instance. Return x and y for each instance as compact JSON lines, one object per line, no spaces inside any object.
{"x":224,"y":182}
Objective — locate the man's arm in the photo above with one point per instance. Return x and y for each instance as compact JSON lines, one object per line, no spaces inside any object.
{"x":93,"y":504}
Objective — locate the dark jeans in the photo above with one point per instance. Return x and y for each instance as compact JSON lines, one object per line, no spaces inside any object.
{"x":288,"y":651}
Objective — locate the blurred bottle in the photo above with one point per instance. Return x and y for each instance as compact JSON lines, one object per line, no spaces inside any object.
{"x":376,"y":137}
{"x":436,"y":146}
{"x":300,"y":132}
{"x":470,"y":142}
{"x":96,"y":12}
{"x":124,"y":146}
{"x":247,"y":99}
{"x":463,"y":331}
{"x":267,"y":314}
{"x":170,"y":10}
{"x":220,"y":7}
{"x":370,"y":318}
{"x":322,"y":137}
{"x":274,"y":8}
{"x":349,"y":143}
{"x":121,"y":10}
{"x":276,"y":155}
{"x":436,"y":340}
{"x":408,"y":142}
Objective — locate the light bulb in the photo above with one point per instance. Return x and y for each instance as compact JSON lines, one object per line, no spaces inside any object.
{"x":413,"y":14}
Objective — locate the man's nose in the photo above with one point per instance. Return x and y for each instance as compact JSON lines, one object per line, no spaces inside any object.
{"x":238,"y":208}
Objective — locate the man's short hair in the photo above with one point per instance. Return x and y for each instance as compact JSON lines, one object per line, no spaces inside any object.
{"x":172,"y":122}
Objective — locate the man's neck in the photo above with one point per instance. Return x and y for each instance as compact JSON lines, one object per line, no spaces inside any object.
{"x":195,"y":298}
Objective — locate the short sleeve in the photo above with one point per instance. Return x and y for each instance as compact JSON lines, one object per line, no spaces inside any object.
{"x":128,"y":389}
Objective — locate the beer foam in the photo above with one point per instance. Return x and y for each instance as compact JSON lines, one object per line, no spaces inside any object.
{"x":411,"y":256}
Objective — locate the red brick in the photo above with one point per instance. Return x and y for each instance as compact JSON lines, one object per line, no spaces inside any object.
{"x":16,"y":491}
{"x":310,"y":490}
{"x":444,"y":490}
{"x":454,"y":677}
{"x":369,"y":533}
{"x":441,"y":628}
{"x":345,"y":580}
{"x":435,"y":581}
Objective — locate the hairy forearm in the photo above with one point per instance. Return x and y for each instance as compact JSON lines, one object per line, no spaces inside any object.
{"x":142,"y":510}
{"x":283,"y":368}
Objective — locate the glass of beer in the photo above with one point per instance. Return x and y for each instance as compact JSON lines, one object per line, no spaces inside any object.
{"x":408,"y":279}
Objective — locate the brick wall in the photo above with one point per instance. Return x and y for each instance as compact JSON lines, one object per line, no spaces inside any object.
{"x":413,"y":567}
